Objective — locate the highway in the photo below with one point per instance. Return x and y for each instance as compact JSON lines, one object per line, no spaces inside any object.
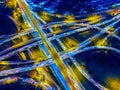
{"x":37,"y":37}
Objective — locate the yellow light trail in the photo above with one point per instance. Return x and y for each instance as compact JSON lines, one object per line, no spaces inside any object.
{"x":72,"y":82}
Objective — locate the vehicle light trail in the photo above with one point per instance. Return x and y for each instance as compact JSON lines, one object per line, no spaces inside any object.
{"x":73,"y":84}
